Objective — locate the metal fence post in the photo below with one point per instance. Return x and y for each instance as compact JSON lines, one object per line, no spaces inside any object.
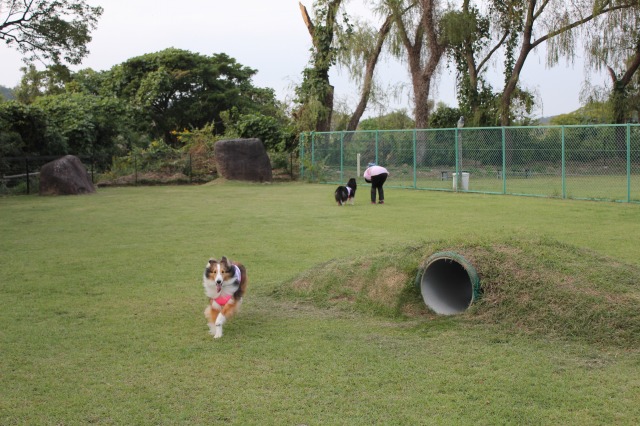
{"x":313,"y":153}
{"x":342,"y":156}
{"x":301,"y":148}
{"x":628,"y":163}
{"x":504,"y":161}
{"x":376,"y":160}
{"x":563,"y":164}
{"x":291,"y":165}
{"x":415,"y":162}
{"x":458,"y":180}
{"x":26,"y":166}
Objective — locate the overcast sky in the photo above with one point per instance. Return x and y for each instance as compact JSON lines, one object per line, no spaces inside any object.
{"x":269,"y":36}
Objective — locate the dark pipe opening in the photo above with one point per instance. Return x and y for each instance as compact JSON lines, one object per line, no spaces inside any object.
{"x":449,"y":284}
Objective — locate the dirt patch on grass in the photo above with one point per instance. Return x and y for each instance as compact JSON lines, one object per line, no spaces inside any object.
{"x":386,"y":286}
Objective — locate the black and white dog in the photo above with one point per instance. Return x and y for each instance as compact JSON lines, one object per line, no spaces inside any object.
{"x":346,"y":193}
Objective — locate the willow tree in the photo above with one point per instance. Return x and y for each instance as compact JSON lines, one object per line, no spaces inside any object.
{"x":316,"y":93}
{"x":365,"y":47}
{"x":476,"y":37}
{"x":554,"y":21}
{"x":614,"y":45}
{"x":416,"y":24}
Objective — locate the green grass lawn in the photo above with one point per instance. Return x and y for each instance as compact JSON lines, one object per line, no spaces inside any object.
{"x":102,"y":322}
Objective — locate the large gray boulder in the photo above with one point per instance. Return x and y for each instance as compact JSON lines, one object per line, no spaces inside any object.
{"x":65,"y":176}
{"x":243,"y":159}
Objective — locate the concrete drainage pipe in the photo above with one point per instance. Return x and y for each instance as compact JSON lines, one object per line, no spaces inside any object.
{"x":448,"y":283}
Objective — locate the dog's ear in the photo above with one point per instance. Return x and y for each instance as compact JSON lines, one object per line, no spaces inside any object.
{"x":225,"y":262}
{"x":209,"y":265}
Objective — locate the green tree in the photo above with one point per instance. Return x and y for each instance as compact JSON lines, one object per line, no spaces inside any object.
{"x":176,"y":89}
{"x":591,"y":113}
{"x":394,"y":120}
{"x":417,"y":29}
{"x":445,"y":117}
{"x":269,"y":130}
{"x":35,"y":83}
{"x":28,"y":130}
{"x":6,"y":94}
{"x":633,"y":99}
{"x":365,"y":46}
{"x":552,"y":21}
{"x":90,"y":125}
{"x":48,"y":30}
{"x":614,"y":44}
{"x":89,"y":82}
{"x":328,"y":35}
{"x":475,"y":37}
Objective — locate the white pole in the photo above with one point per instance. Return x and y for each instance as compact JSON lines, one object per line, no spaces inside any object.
{"x":358,"y":172}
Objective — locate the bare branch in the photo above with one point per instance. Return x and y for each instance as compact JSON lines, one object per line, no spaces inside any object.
{"x":368,"y":78}
{"x":492,"y":51}
{"x":307,"y":19}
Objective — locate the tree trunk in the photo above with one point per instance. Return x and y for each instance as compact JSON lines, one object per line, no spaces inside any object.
{"x":421,"y":99}
{"x":322,"y":38}
{"x":619,"y":91}
{"x":368,"y":78}
{"x":323,"y":123}
{"x":619,"y":100}
{"x":425,"y":34}
{"x":512,"y":82}
{"x":435,"y":49}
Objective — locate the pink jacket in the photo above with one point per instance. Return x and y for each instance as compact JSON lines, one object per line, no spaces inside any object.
{"x":374,"y":171}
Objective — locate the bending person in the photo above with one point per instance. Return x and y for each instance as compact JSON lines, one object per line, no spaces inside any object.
{"x":376,"y":176}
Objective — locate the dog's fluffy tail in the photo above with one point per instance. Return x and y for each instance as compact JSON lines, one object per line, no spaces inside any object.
{"x":341,"y":195}
{"x":243,"y":281}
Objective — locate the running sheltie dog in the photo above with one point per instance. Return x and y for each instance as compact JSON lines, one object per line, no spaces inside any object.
{"x":346,"y":193}
{"x":224,"y":283}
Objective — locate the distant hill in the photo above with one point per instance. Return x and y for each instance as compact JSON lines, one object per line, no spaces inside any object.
{"x":6,"y":93}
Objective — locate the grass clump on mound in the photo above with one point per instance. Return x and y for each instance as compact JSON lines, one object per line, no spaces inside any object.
{"x":529,"y":285}
{"x":379,"y":283}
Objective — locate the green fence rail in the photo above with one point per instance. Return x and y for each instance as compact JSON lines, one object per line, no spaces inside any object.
{"x":21,"y":175}
{"x":599,"y":162}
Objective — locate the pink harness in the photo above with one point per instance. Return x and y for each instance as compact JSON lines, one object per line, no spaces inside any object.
{"x":222,"y":300}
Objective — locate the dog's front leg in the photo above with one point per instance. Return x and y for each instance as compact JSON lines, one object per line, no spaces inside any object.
{"x":220,"y":320}
{"x":212,"y":315}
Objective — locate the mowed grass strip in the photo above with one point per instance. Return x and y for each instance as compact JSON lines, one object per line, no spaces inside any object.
{"x":102,"y":313}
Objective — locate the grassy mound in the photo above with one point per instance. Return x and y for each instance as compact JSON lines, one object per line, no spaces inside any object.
{"x":529,"y":285}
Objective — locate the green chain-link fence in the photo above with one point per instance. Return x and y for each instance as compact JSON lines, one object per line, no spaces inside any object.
{"x":20,"y":175}
{"x":581,"y":162}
